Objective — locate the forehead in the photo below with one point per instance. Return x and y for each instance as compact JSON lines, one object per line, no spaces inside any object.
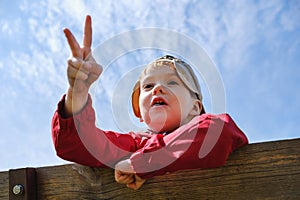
{"x":157,"y":68}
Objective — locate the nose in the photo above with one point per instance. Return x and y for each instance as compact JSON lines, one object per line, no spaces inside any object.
{"x":158,"y":89}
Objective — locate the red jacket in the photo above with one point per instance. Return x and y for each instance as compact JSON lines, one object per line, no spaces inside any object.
{"x":204,"y":142}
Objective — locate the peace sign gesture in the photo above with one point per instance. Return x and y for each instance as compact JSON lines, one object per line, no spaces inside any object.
{"x":82,"y":69}
{"x":77,"y":51}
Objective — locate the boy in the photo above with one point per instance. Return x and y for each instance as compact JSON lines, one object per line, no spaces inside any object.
{"x":167,"y":97}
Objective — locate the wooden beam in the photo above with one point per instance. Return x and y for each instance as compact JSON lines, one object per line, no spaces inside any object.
{"x":269,"y":170}
{"x":22,"y":184}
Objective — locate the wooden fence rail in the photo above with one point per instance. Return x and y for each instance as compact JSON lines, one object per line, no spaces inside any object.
{"x":269,"y":170}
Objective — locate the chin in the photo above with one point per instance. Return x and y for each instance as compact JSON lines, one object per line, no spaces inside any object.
{"x":157,"y":126}
{"x":160,"y":126}
{"x":160,"y":121}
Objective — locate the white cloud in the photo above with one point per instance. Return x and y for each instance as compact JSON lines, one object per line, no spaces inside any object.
{"x":11,"y":27}
{"x":5,"y":27}
{"x":76,"y":8}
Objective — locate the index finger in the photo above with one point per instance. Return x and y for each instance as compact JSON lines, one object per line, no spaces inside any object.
{"x":87,"y":36}
{"x":73,"y":44}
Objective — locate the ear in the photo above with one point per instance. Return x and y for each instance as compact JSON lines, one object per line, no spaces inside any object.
{"x":197,"y":107}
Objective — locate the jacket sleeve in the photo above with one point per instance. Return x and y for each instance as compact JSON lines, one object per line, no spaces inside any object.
{"x":77,"y":139}
{"x":205,"y":142}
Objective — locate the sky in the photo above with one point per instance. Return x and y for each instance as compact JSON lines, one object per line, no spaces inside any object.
{"x":254,"y":45}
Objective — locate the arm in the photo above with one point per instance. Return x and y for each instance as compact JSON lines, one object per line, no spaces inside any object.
{"x":74,"y":133}
{"x":82,"y":70}
{"x":205,"y":142}
{"x":77,"y":139}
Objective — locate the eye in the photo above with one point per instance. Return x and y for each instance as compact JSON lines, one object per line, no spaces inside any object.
{"x":147,"y":86}
{"x":172,"y":83}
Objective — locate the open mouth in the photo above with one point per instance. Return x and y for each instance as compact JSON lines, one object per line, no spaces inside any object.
{"x":158,"y":102}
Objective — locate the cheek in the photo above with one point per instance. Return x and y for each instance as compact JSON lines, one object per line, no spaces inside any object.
{"x":178,"y":98}
{"x":143,"y":103}
{"x":183,"y":102}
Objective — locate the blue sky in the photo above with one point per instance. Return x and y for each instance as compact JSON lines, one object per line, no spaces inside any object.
{"x":254,"y":44}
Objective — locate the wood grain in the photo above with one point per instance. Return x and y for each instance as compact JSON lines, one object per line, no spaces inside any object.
{"x":269,"y":170}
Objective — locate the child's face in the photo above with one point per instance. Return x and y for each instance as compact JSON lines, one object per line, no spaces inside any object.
{"x":165,"y":102}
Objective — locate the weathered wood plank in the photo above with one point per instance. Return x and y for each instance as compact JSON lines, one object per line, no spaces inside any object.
{"x":268,"y":170}
{"x":4,"y":185}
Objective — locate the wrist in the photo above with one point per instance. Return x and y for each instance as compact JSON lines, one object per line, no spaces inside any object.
{"x":74,"y":102}
{"x":124,"y":166}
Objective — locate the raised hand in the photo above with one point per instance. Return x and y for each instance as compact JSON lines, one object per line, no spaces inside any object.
{"x":82,"y":69}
